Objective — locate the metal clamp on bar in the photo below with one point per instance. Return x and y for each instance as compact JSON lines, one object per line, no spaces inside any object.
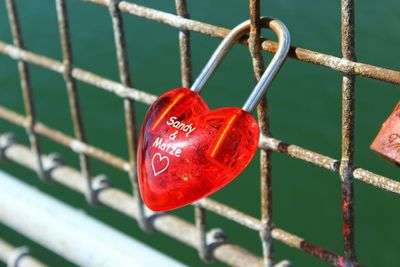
{"x":53,"y":161}
{"x":99,"y":183}
{"x":214,"y":238}
{"x":6,"y":141}
{"x":284,"y":263}
{"x":17,"y":255}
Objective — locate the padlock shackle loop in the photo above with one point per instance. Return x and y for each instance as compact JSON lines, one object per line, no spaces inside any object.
{"x":269,"y":74}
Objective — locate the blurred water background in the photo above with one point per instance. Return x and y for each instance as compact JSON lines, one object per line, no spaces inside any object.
{"x":305,"y":109}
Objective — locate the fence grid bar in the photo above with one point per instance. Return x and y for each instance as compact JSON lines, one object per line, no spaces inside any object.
{"x":73,"y":98}
{"x":186,"y":79}
{"x":25,"y":86}
{"x":263,"y":123}
{"x":184,"y":45}
{"x":65,"y":140}
{"x":129,"y":106}
{"x":348,"y":113}
{"x":298,"y":53}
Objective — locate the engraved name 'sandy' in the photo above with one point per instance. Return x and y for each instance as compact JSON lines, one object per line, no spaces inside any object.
{"x":187,"y":128}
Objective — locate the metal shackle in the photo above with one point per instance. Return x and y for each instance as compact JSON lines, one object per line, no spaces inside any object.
{"x":270,"y":72}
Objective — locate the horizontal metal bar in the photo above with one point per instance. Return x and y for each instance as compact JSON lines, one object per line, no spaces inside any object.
{"x":17,"y":256}
{"x":69,"y":232}
{"x":230,"y":213}
{"x":329,"y":163}
{"x":77,"y":73}
{"x":301,"y":54}
{"x":299,"y":243}
{"x":168,"y":224}
{"x":377,"y":180}
{"x":299,"y":153}
{"x":65,"y":140}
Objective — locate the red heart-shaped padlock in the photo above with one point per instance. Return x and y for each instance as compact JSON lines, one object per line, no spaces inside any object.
{"x":187,"y":151}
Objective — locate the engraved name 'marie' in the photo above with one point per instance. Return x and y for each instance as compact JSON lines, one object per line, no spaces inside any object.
{"x":187,"y":128}
{"x":169,"y":148}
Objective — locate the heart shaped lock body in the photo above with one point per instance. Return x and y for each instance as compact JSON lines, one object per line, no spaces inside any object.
{"x":187,"y":151}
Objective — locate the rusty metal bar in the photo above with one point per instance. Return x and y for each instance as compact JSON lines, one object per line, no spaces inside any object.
{"x":184,"y":45}
{"x":65,"y":140}
{"x":77,"y":73}
{"x":299,"y":243}
{"x":17,"y":256}
{"x":25,"y":86}
{"x":62,"y":16}
{"x":263,"y":123}
{"x":230,"y":213}
{"x":166,"y":223}
{"x":348,"y":113}
{"x":301,"y":54}
{"x":377,"y":180}
{"x":129,"y":107}
{"x":298,"y":152}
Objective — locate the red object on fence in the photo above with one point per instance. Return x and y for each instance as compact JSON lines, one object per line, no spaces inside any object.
{"x":387,"y":142}
{"x":187,"y":151}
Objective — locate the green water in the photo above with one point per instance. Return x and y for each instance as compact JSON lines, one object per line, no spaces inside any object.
{"x":305,"y":108}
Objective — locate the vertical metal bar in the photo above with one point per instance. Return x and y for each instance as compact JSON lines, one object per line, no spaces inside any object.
{"x":201,"y":228}
{"x":184,"y":45}
{"x":129,"y":107}
{"x":62,"y":16}
{"x":26,"y":88}
{"x":186,"y":77}
{"x":348,"y":112}
{"x":263,"y":122}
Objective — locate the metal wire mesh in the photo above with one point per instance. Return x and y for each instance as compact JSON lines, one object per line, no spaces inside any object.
{"x":194,"y":235}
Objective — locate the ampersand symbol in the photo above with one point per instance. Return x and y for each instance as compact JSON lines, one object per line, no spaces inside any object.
{"x":173,"y":136}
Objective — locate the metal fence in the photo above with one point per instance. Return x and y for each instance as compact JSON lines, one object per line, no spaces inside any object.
{"x":209,"y":244}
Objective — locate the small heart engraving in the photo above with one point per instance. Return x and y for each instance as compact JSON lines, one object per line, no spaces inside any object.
{"x":161,"y":167}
